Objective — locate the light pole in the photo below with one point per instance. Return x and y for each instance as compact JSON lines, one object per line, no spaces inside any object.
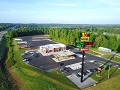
{"x":109,"y":70}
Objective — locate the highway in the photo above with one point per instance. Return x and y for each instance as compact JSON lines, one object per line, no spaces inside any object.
{"x":2,"y":33}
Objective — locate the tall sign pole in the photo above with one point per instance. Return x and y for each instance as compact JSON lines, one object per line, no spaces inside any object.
{"x":83,"y":54}
{"x":83,"y":44}
{"x":83,"y":38}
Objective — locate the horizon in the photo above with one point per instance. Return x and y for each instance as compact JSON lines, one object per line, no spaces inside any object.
{"x":60,"y":23}
{"x":60,"y":11}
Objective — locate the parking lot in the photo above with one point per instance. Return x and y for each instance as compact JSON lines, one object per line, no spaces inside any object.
{"x":71,"y":68}
{"x":34,"y":43}
{"x":46,"y":63}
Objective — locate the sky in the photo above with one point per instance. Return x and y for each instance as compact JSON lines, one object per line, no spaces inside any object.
{"x":60,"y":11}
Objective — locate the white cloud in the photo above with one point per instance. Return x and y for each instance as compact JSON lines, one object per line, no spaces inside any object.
{"x":66,"y":4}
{"x":109,"y":2}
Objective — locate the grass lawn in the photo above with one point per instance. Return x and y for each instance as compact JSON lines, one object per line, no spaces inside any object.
{"x":109,"y":57}
{"x":104,"y":74}
{"x":110,"y":84}
{"x":30,"y":78}
{"x":91,"y":52}
{"x":105,"y":83}
{"x":22,"y":50}
{"x":57,"y":75}
{"x":95,"y":50}
{"x":106,"y":55}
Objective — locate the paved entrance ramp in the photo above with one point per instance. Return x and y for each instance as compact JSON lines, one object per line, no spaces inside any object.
{"x":87,"y":81}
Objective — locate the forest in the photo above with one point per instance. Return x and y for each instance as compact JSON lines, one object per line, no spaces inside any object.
{"x":5,"y":26}
{"x":99,"y":34}
{"x":5,"y":79}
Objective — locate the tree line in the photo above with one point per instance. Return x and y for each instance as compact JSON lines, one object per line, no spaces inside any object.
{"x":107,"y":41}
{"x":102,"y":28}
{"x":5,"y":26}
{"x":68,"y":36}
{"x":5,"y":79}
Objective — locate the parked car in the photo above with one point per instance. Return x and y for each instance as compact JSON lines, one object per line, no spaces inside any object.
{"x":79,"y":74}
{"x":31,"y":52}
{"x":25,"y":59}
{"x":85,"y":73}
{"x":61,"y":64}
{"x":27,"y":62}
{"x":61,"y":69}
{"x":64,"y":69}
{"x":90,"y":70}
{"x":35,"y":55}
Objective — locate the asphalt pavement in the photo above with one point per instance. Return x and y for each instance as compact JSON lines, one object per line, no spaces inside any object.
{"x":46,"y":63}
{"x":113,"y":63}
{"x":87,"y":81}
{"x":93,"y":57}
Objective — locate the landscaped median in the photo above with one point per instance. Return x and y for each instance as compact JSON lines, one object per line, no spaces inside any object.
{"x":110,"y":84}
{"x":103,"y":75}
{"x":107,"y":79}
{"x":30,"y":78}
{"x":106,"y":55}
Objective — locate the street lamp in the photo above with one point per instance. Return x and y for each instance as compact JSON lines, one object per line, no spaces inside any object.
{"x":109,"y":70}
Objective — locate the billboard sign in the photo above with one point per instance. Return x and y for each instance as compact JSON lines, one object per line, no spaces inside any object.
{"x":84,"y":39}
{"x":84,"y":34}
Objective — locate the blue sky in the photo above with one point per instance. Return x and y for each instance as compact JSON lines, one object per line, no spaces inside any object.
{"x":60,"y":11}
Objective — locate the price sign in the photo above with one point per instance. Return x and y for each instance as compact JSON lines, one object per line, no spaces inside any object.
{"x":80,"y":44}
{"x":88,"y":43}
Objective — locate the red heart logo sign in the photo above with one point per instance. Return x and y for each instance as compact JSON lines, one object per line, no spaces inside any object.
{"x":85,"y":34}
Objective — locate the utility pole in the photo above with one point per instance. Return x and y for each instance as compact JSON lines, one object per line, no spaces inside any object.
{"x":109,"y":70}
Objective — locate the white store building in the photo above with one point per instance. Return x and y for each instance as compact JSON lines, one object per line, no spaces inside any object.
{"x":51,"y":48}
